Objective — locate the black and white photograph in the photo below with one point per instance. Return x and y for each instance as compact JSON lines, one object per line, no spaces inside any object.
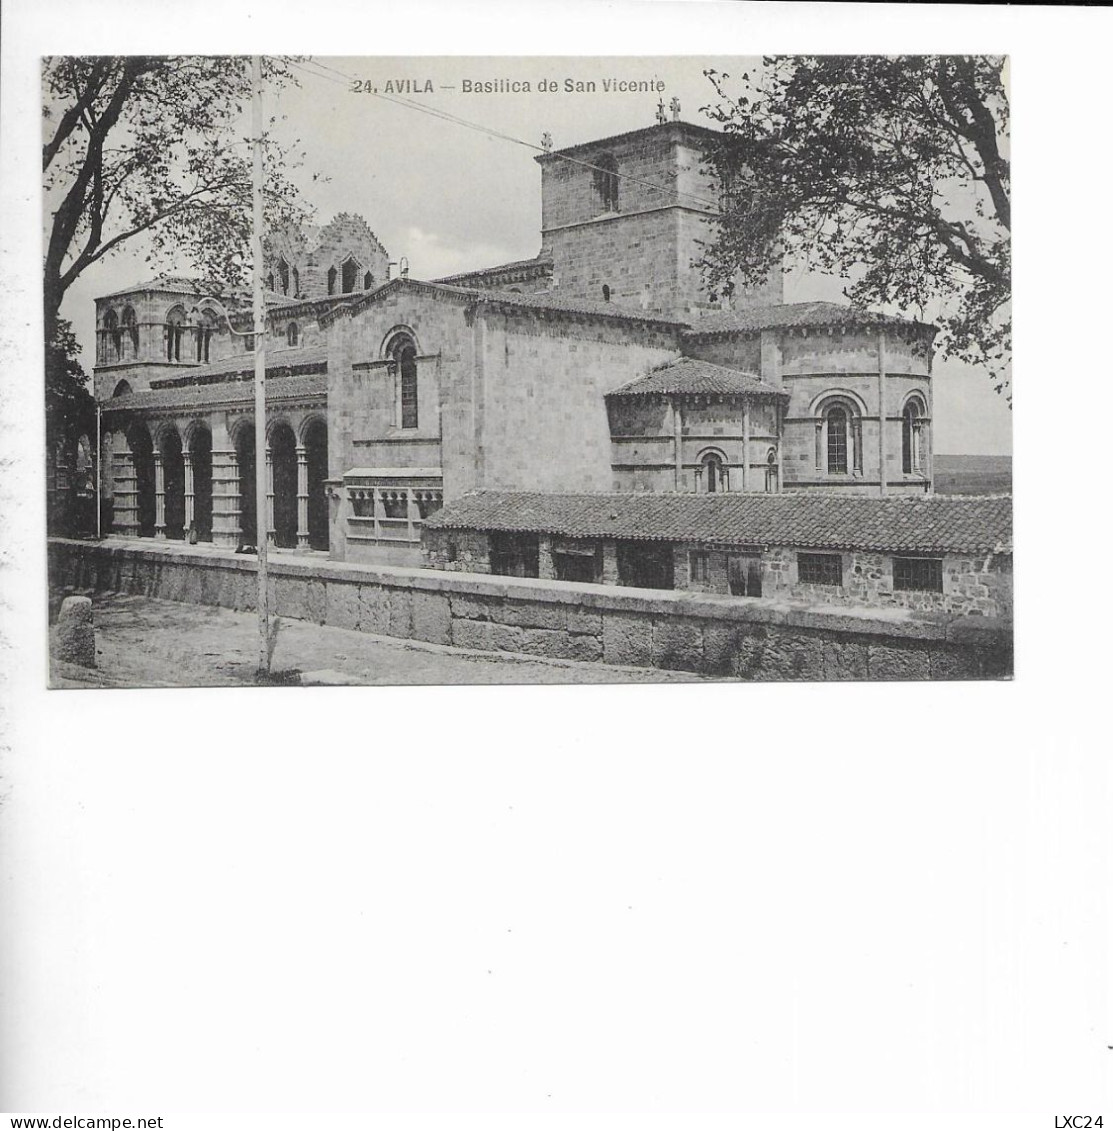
{"x":612,"y":369}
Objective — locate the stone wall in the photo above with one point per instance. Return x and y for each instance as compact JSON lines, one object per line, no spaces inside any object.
{"x":740,"y":638}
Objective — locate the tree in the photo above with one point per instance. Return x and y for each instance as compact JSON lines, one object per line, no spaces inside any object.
{"x":145,"y":147}
{"x":890,"y":173}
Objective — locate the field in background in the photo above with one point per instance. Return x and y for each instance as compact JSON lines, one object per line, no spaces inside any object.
{"x":973,"y":475}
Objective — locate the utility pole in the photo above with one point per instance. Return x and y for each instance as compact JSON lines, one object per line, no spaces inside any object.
{"x":261,"y":523}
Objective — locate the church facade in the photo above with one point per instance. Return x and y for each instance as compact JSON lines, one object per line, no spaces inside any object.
{"x":598,"y":367}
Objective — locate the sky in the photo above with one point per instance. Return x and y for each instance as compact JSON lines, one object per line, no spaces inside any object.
{"x":450,"y":198}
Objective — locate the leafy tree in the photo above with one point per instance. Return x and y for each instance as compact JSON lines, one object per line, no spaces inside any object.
{"x":144,"y":148}
{"x":891,"y":173}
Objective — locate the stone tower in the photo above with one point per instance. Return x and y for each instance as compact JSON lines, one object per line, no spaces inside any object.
{"x":625,"y":218}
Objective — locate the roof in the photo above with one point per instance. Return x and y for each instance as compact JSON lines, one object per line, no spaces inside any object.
{"x":540,"y":264}
{"x":278,"y":361}
{"x":792,"y":315}
{"x":544,"y":301}
{"x":920,"y":525}
{"x":239,"y":391}
{"x":676,"y":128}
{"x":691,"y":376}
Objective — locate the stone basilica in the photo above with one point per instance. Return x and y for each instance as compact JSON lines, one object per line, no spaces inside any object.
{"x":600,"y":367}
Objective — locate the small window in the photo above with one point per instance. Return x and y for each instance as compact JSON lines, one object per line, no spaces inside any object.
{"x":284,"y":276}
{"x":297,"y":283}
{"x":349,"y":272}
{"x":921,"y":574}
{"x":292,"y":334}
{"x":395,"y":504}
{"x":713,"y":473}
{"x":700,"y":565}
{"x":819,"y":569}
{"x":249,"y":343}
{"x":606,"y":181}
{"x":836,"y":441}
{"x":574,"y":567}
{"x":368,"y":281}
{"x":332,"y":280}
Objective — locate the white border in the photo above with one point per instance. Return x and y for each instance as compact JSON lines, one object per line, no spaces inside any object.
{"x":851,"y":898}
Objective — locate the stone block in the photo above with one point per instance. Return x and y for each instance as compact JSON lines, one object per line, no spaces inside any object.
{"x":74,"y":635}
{"x":400,"y":616}
{"x":893,"y":661}
{"x":530,"y":614}
{"x":473,"y":607}
{"x":954,"y":663}
{"x":291,"y":598}
{"x":628,"y":640}
{"x":845,"y":659}
{"x":586,"y":622}
{"x":678,"y":644}
{"x":374,"y":610}
{"x":432,"y":618}
{"x":721,"y":643}
{"x":315,"y":600}
{"x":342,"y":604}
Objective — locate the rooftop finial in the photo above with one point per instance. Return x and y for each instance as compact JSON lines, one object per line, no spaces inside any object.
{"x":547,"y":142}
{"x":674,"y":106}
{"x":661,"y":118}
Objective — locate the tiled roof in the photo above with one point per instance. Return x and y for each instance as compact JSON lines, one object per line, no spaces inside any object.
{"x":554,"y":300}
{"x":540,"y":264}
{"x":793,"y":315}
{"x":925,"y":524}
{"x":548,"y":300}
{"x":690,"y":375}
{"x":240,"y":390}
{"x":243,"y":365}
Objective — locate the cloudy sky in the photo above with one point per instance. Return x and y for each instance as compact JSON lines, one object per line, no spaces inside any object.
{"x":451,"y":198}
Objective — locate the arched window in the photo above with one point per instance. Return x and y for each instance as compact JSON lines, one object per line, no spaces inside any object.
{"x":349,"y":272}
{"x":368,"y":281}
{"x":122,"y":389}
{"x":205,"y":329}
{"x":911,"y":437}
{"x":111,"y":337}
{"x":403,"y":354}
{"x":129,"y":333}
{"x":838,"y":438}
{"x":270,"y":281}
{"x":284,"y":276}
{"x":606,"y":293}
{"x":606,"y":181}
{"x":297,"y":283}
{"x":175,"y":329}
{"x":713,"y":474}
{"x":292,"y":334}
{"x":332,"y":280}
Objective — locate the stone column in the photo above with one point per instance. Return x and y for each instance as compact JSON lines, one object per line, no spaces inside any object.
{"x":745,"y":445}
{"x":881,"y":413}
{"x":303,"y":498}
{"x":270,"y":497}
{"x":610,"y":563}
{"x":677,"y":447}
{"x":160,"y":497}
{"x":411,"y":514}
{"x":546,"y":567}
{"x":226,"y":490}
{"x":187,"y":467}
{"x":125,"y":494}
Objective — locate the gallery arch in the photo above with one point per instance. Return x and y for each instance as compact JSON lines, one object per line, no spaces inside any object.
{"x":199,"y":483}
{"x":316,"y":473}
{"x":170,"y":485}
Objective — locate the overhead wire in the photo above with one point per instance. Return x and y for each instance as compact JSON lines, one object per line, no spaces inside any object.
{"x":342,"y":78}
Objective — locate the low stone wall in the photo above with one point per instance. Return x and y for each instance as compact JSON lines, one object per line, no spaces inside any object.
{"x":752,"y":639}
